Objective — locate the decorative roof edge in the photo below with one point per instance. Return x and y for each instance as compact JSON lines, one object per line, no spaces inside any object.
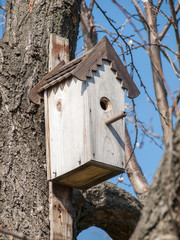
{"x":82,"y":68}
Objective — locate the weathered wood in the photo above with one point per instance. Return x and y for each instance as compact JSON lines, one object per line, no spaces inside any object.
{"x":60,"y":212}
{"x":58,"y":50}
{"x":83,"y":67}
{"x":115,"y":118}
{"x":60,"y":198}
{"x":82,"y":150}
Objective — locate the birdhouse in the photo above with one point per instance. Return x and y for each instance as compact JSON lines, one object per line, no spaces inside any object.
{"x":84,"y":115}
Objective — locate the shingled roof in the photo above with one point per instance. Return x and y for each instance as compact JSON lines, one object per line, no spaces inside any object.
{"x":82,"y":68}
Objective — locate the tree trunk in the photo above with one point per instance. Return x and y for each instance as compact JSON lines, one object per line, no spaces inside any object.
{"x":161,"y":214}
{"x":24,"y":54}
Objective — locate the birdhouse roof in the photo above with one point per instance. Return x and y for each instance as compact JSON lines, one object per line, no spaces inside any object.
{"x":82,"y":68}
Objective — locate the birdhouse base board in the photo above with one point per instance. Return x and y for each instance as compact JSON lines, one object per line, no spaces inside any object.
{"x":88,"y":175}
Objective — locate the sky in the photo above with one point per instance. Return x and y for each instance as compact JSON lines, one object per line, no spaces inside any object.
{"x":147,"y":152}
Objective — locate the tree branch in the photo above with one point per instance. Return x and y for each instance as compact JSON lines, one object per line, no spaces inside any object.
{"x":2,"y":7}
{"x":91,"y":7}
{"x":108,"y":207}
{"x":2,"y":16}
{"x":87,"y":26}
{"x":158,"y":5}
{"x":176,"y":30}
{"x":134,"y":172}
{"x":167,"y":26}
{"x":145,"y":129}
{"x":140,"y":12}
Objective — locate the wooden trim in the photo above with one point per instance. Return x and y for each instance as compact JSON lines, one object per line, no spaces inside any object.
{"x":113,"y":171}
{"x":82,"y":68}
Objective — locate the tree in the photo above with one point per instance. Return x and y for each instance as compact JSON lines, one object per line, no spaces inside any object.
{"x":23,"y":62}
{"x":23,"y":179}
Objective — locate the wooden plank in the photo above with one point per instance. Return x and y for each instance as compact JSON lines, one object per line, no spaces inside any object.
{"x":107,"y":142}
{"x":61,"y":221}
{"x":83,"y":66}
{"x":60,"y":212}
{"x":58,"y":50}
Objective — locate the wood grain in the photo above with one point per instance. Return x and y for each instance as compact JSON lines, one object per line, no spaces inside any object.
{"x":60,"y":198}
{"x":84,"y":66}
{"x":78,"y":134}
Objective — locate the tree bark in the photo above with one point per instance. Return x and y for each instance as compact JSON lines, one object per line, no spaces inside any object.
{"x":134,"y":171}
{"x":24,"y":61}
{"x":108,"y":207}
{"x":161,"y":213}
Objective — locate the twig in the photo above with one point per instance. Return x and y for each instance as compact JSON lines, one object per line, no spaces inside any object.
{"x":114,"y":39}
{"x":140,"y":12}
{"x":167,"y":26}
{"x":133,"y":25}
{"x":158,"y":5}
{"x":2,"y":23}
{"x":176,"y":71}
{"x":151,"y":44}
{"x":16,"y":234}
{"x":175,"y":25}
{"x":175,"y":103}
{"x":2,"y":16}
{"x":2,"y":7}
{"x":139,"y":124}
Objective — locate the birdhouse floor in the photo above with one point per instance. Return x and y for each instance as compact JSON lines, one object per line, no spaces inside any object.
{"x":88,"y":175}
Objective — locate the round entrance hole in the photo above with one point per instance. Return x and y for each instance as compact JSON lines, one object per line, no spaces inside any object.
{"x":105,"y":104}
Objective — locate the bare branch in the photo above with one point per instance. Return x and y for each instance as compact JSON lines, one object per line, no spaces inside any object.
{"x":173,"y":107}
{"x":140,"y":12}
{"x":2,"y":23}
{"x":114,"y":39}
{"x":145,"y":129}
{"x":176,"y":71}
{"x":2,"y":7}
{"x":151,"y":44}
{"x":158,"y":5}
{"x":134,"y":172}
{"x":175,"y":25}
{"x":91,"y":7}
{"x":2,"y":16}
{"x":167,"y":26}
{"x":87,"y":26}
{"x":133,"y":25}
{"x":15,"y":234}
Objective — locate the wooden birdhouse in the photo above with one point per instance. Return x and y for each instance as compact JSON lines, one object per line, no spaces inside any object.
{"x":84,"y":110}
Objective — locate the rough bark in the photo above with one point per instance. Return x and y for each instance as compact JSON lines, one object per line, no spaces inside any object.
{"x":161,"y":214}
{"x":108,"y":207}
{"x":23,"y":62}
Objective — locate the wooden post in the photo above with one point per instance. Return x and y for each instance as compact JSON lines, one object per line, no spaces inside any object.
{"x":60,"y":197}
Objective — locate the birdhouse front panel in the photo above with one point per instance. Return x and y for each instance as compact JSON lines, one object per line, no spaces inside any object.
{"x":105,"y":99}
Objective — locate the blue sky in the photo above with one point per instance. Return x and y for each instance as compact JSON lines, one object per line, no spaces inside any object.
{"x":148,"y":154}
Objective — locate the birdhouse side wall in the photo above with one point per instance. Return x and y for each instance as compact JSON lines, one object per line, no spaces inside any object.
{"x":66,"y":128}
{"x":106,"y":98}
